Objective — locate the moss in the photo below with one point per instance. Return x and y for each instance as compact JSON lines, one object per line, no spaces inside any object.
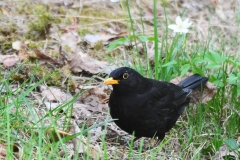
{"x":32,"y":56}
{"x":44,"y":20}
{"x":98,"y":46}
{"x":18,"y":77}
{"x":7,"y":35}
{"x":165,"y":3}
{"x":8,"y":29}
{"x":69,"y":20}
{"x":62,"y":10}
{"x":82,"y":31}
{"x":35,"y":45}
{"x":67,"y":48}
{"x":54,"y":53}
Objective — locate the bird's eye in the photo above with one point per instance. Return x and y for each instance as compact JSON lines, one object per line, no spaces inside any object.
{"x":125,"y":75}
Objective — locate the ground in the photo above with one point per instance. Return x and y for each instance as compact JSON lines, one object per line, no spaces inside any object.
{"x":55,"y":55}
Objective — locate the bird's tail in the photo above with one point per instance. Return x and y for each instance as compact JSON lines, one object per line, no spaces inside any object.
{"x":193,"y":82}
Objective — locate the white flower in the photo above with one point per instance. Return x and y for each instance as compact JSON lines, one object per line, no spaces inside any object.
{"x":114,"y":0}
{"x":180,"y":26}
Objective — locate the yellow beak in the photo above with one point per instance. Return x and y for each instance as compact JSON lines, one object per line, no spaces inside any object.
{"x":111,"y":81}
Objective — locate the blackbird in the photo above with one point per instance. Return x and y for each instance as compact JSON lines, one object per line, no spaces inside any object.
{"x":147,"y":107}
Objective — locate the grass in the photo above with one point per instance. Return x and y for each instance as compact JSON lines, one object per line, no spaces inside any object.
{"x":209,"y":125}
{"x":198,"y":134}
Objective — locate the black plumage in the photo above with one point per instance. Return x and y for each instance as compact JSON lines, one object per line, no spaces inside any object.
{"x":148,"y":107}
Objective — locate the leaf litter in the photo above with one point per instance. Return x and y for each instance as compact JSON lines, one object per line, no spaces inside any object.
{"x":62,"y":48}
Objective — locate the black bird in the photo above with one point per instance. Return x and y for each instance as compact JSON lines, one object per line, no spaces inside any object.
{"x":147,"y":107}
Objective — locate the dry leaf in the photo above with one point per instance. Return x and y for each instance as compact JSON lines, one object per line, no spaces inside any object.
{"x":9,"y":60}
{"x":54,"y":94}
{"x":69,"y":38}
{"x":17,"y":151}
{"x":46,"y":58}
{"x":80,"y":111}
{"x":224,"y":152}
{"x":81,"y":145}
{"x":95,"y":98}
{"x":95,"y":133}
{"x":92,"y":38}
{"x":79,"y":62}
{"x":3,"y":152}
{"x":220,"y":13}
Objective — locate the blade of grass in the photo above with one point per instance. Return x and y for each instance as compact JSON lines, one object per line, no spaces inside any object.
{"x":156,"y":55}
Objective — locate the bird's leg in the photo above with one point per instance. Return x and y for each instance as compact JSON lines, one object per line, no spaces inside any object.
{"x":158,"y":142}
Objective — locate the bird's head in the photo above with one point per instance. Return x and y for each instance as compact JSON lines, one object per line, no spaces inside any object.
{"x":124,"y":79}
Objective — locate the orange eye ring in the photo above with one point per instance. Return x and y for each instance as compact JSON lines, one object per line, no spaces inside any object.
{"x":125,"y":75}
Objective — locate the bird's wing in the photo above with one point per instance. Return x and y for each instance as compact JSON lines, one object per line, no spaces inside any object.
{"x":167,"y":97}
{"x":168,"y":103}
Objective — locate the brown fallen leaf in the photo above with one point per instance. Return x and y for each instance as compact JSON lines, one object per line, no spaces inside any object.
{"x":224,"y":153}
{"x":80,"y":61}
{"x":17,"y":151}
{"x":81,"y":145}
{"x":53,"y":94}
{"x":76,"y":59}
{"x":104,"y":37}
{"x":46,"y":58}
{"x":3,"y":152}
{"x":69,"y":38}
{"x":80,"y":111}
{"x":9,"y":60}
{"x":90,"y":38}
{"x":94,"y":98}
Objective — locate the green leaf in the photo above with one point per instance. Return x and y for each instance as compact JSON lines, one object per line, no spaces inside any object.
{"x":185,"y":68}
{"x":151,"y":39}
{"x":117,"y":43}
{"x":238,"y":75}
{"x":143,"y":38}
{"x":233,"y":79}
{"x":231,"y":143}
{"x":111,"y":46}
{"x":198,"y":60}
{"x":213,"y":66}
{"x":218,"y":83}
{"x":197,"y":70}
{"x":170,"y":63}
{"x":214,"y":57}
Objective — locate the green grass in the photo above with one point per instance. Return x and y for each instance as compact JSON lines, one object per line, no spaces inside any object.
{"x":205,"y":127}
{"x":198,"y":134}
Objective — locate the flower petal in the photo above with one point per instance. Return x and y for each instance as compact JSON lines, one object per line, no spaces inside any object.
{"x":184,"y":30}
{"x":172,"y":26}
{"x":188,"y":25}
{"x":178,"y":20}
{"x":186,"y":21}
